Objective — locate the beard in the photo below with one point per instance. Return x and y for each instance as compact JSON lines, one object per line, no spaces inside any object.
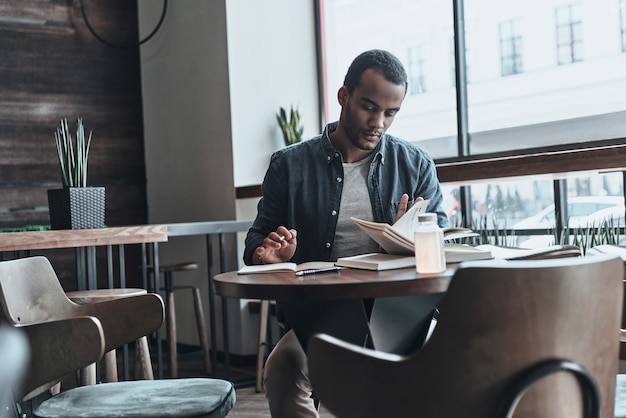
{"x":364,"y":139}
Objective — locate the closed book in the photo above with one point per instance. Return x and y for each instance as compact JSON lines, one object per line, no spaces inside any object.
{"x":376,"y":261}
{"x":518,"y":253}
{"x":456,"y":253}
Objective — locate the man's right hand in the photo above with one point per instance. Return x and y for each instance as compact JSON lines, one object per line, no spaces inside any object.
{"x":403,"y":207}
{"x":277,"y":247}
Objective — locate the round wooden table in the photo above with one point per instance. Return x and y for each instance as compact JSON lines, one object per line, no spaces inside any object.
{"x":336,"y":285}
{"x":333,"y":302}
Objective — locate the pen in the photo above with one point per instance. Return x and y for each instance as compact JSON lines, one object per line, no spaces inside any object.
{"x":314,"y":271}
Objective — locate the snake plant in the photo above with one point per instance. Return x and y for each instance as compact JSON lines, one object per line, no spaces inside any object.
{"x":291,"y":126}
{"x":73,"y":154}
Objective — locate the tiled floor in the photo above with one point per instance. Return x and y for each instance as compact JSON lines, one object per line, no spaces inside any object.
{"x":249,"y":402}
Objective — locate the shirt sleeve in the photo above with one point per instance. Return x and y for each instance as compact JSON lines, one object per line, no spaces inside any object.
{"x":429,"y":188}
{"x":271,"y":209}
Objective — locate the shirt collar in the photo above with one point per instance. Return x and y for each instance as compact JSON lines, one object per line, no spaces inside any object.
{"x":330,"y":151}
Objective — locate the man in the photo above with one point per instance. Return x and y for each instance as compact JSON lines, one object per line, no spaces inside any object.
{"x":311,"y":190}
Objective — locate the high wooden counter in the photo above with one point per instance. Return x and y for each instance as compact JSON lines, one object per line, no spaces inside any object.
{"x":75,"y":238}
{"x":85,"y":242}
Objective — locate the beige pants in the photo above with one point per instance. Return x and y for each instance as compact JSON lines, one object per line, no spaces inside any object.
{"x":286,"y":380}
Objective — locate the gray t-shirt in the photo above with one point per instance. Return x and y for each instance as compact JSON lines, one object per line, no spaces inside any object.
{"x":355,"y":201}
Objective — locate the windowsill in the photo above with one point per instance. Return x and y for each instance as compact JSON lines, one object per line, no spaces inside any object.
{"x":602,"y":158}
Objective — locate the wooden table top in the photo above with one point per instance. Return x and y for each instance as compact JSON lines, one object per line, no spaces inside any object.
{"x":341,"y":284}
{"x":71,"y":238}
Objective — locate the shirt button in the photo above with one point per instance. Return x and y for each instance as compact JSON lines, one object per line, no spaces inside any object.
{"x":333,"y":213}
{"x":328,"y":245}
{"x":339,"y":179}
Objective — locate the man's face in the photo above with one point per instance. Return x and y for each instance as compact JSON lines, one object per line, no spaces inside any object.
{"x":369,"y":111}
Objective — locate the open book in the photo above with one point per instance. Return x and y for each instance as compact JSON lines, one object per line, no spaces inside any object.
{"x":302,"y":268}
{"x":398,"y":238}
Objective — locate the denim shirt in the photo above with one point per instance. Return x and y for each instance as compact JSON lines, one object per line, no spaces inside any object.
{"x":303,"y":184}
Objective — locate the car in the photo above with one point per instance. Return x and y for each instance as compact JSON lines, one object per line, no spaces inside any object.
{"x":583,"y":212}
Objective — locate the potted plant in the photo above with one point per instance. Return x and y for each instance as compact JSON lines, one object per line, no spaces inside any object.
{"x":75,"y":206}
{"x":291,"y":126}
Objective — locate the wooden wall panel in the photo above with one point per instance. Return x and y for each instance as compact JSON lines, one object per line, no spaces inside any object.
{"x":52,"y":67}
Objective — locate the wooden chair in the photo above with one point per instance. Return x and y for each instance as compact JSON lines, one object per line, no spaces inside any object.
{"x":110,"y":357}
{"x":498,"y":322}
{"x":65,"y":336}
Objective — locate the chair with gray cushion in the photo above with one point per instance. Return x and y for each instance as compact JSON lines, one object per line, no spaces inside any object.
{"x":65,"y":337}
{"x":508,"y":339}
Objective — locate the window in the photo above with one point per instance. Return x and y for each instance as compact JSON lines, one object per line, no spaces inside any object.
{"x":417,"y":80}
{"x":514,"y":206}
{"x":510,"y":47}
{"x":399,"y":25}
{"x":547,"y":106}
{"x":501,"y":204}
{"x":569,"y":34}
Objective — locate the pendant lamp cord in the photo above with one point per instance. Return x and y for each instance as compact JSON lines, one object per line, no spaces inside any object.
{"x":127,"y":46}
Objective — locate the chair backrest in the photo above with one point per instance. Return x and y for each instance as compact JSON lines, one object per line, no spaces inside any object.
{"x":496,"y":320}
{"x":31,"y":292}
{"x":59,"y":348}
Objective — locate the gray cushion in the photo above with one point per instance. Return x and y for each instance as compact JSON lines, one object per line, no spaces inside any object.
{"x":620,"y":396}
{"x":206,"y":398}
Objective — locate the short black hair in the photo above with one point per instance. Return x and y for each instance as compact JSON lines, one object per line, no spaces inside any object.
{"x":380,"y":60}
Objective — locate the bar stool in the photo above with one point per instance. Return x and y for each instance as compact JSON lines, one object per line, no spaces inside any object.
{"x":267,"y":308}
{"x":170,"y":311}
{"x":83,"y":297}
{"x":264,"y":311}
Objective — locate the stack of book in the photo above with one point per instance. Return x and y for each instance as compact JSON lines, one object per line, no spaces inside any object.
{"x":455,"y":253}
